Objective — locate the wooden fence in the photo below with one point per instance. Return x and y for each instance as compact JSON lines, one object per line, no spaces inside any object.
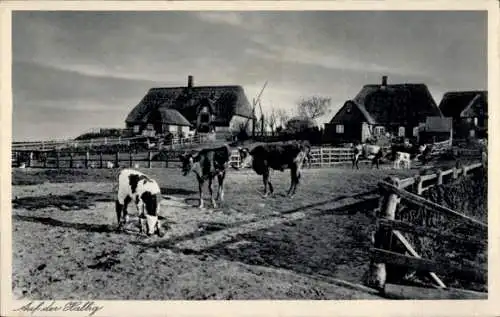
{"x":402,"y":209}
{"x":173,"y":143}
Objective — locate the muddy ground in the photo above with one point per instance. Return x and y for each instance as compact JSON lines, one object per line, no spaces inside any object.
{"x":309,"y":247}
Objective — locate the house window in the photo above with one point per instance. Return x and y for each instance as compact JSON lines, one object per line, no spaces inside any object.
{"x":149,"y":126}
{"x":339,"y":128}
{"x":379,"y":130}
{"x":415,"y":131}
{"x":136,"y":129}
{"x":401,"y":131}
{"x":475,"y":121}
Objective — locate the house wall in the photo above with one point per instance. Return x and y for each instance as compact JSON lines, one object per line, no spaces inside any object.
{"x":350,"y":118}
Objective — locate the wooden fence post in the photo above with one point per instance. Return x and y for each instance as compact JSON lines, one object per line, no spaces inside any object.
{"x":377,"y":274}
{"x":130,"y":158}
{"x":30,"y":159}
{"x":455,"y":173}
{"x":321,"y":156}
{"x":100,"y":160}
{"x":419,"y":184}
{"x":150,"y":157}
{"x":87,"y":159}
{"x":440,"y":177}
{"x":70,"y":159}
{"x":116,"y":158}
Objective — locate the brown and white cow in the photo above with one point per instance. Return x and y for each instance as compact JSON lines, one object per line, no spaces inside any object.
{"x":206,"y":164}
{"x":369,"y":151}
{"x":276,"y":156}
{"x":144,"y":192}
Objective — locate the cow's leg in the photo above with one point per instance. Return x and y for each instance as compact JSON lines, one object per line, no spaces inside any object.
{"x":125,"y":209}
{"x":220,"y":191}
{"x":118,"y":209}
{"x":265,"y":180}
{"x":293,"y":180}
{"x":200,"y":187}
{"x":211,"y":192}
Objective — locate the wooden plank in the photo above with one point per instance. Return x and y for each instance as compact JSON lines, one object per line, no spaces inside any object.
{"x":396,"y":291}
{"x":414,"y":253}
{"x":468,"y":272}
{"x":433,"y":233}
{"x":407,"y":182}
{"x":422,"y":202}
{"x":428,"y":177}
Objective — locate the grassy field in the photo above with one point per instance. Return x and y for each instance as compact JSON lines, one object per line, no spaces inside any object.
{"x":309,"y":247}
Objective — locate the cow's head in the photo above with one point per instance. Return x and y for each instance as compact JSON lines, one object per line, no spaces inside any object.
{"x":152,"y":209}
{"x":187,"y":163}
{"x":245,"y":157}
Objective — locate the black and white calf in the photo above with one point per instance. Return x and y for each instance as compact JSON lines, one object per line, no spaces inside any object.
{"x":207,"y":164}
{"x":144,"y":192}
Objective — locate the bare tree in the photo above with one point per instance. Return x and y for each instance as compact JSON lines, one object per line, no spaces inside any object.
{"x":282,"y":117}
{"x":272,"y":118}
{"x":313,"y":107}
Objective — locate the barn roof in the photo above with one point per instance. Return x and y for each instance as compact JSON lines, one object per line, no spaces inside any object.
{"x":168,"y":116}
{"x":454,"y":103}
{"x":396,"y":104}
{"x":226,"y":101}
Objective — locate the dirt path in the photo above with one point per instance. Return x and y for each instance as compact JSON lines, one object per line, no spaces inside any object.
{"x":249,"y":248}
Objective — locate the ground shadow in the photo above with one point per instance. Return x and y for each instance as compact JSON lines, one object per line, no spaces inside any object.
{"x":74,"y":201}
{"x":90,"y":227}
{"x":209,"y":227}
{"x":176,"y":191}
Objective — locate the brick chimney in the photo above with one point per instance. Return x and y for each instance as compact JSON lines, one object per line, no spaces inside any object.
{"x":384,"y":81}
{"x":190,"y":81}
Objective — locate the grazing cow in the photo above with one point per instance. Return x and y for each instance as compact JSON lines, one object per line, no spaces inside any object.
{"x":136,"y":187}
{"x":369,"y":151}
{"x":277,"y":156}
{"x":207,"y":164}
{"x":402,"y":158}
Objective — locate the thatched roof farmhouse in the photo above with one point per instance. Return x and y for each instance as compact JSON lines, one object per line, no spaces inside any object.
{"x":378,"y":109}
{"x":469,"y":110}
{"x":206,"y":108}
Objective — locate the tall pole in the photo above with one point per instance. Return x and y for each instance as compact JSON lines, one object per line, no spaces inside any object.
{"x":253,"y":119}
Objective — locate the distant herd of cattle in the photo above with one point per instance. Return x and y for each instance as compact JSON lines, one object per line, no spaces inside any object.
{"x":208,"y":163}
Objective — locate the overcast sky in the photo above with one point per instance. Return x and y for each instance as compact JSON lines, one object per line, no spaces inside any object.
{"x":73,"y":71}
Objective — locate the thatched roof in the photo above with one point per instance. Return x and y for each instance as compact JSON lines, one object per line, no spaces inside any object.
{"x":226,"y":101}
{"x":458,"y":103}
{"x":395,"y":104}
{"x":167,"y":116}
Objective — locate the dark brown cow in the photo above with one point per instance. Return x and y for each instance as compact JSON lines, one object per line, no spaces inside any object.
{"x":276,"y":156}
{"x":207,"y":164}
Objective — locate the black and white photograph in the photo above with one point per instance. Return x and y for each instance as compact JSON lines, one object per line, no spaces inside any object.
{"x":248,"y":155}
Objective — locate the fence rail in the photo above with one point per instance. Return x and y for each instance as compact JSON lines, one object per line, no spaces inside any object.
{"x":395,"y":192}
{"x":108,"y":141}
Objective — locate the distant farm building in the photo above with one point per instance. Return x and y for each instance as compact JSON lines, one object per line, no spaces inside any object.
{"x":436,"y":129}
{"x":382,"y":109}
{"x":300,"y":124}
{"x":206,"y":109}
{"x":469,"y":110}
